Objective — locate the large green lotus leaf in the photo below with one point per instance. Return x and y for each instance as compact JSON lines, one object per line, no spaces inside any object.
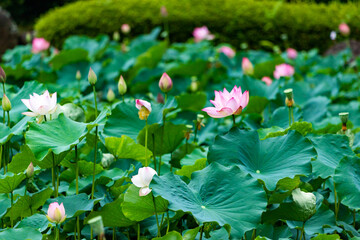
{"x":315,"y":109}
{"x":301,"y":127}
{"x":5,"y":203}
{"x":216,"y":193}
{"x":125,"y":147}
{"x":173,"y":135}
{"x":25,"y":233}
{"x":330,"y":149}
{"x":93,"y":46}
{"x":270,"y":160}
{"x":138,"y":208}
{"x":112,"y":215}
{"x":74,"y":205}
{"x":192,"y":101}
{"x":170,"y":236}
{"x":124,"y":120}
{"x":256,"y":104}
{"x":66,"y":57}
{"x":58,"y":136}
{"x":10,"y":181}
{"x":17,"y":107}
{"x":6,"y":133}
{"x":28,"y":204}
{"x":327,"y":237}
{"x":347,"y":181}
{"x":191,"y":68}
{"x":37,"y":221}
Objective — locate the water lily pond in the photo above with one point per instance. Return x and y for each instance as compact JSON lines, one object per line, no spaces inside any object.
{"x":143,"y":139}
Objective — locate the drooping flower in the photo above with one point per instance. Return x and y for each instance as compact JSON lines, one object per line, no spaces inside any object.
{"x":227,"y":104}
{"x":40,"y":104}
{"x":291,"y":53}
{"x":125,"y":28}
{"x":143,"y":180}
{"x":144,"y":108}
{"x":344,"y":29}
{"x":247,"y":66}
{"x":283,"y":70}
{"x":228,"y":51}
{"x":56,"y":213}
{"x":202,"y":33}
{"x":165,"y":83}
{"x":39,"y":44}
{"x":267,"y":80}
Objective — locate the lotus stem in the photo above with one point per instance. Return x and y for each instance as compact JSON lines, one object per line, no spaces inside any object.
{"x":162,"y":141}
{"x":146,"y":142}
{"x":253,"y":234}
{"x":3,"y":109}
{"x":354,"y":218}
{"x":138,"y":231}
{"x":8,"y":115}
{"x":53,"y":173}
{"x":57,"y":232}
{"x":302,"y":231}
{"x":113,"y":235}
{"x":156,"y":216}
{"x":201,"y":231}
{"x":292,"y":114}
{"x":76,"y":170}
{"x":165,"y":99}
{"x":96,"y":109}
{"x":95,"y":155}
{"x":168,"y":222}
{"x":154,"y":156}
{"x":289,"y":116}
{"x":234,"y":122}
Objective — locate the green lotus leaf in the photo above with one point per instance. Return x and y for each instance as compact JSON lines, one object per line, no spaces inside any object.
{"x":270,"y":160}
{"x":170,"y":236}
{"x":37,"y":221}
{"x":215,"y":195}
{"x":20,"y":234}
{"x":10,"y":181}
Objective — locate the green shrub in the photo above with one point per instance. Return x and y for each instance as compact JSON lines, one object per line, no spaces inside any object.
{"x":307,"y":25}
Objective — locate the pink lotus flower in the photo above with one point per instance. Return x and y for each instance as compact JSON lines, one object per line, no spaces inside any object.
{"x":344,"y":29}
{"x":228,"y":51}
{"x":247,"y":66}
{"x":291,"y":53}
{"x":56,"y":213}
{"x":267,"y":80}
{"x":39,"y":44}
{"x":125,"y":28}
{"x":202,"y":33}
{"x":163,"y":11}
{"x":143,"y":180}
{"x":165,"y":83}
{"x":227,"y":104}
{"x":40,"y":104}
{"x":283,"y":70}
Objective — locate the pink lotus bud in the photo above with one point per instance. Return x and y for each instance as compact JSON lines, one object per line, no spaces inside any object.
{"x":344,"y":29}
{"x":125,"y":28}
{"x":122,"y":86}
{"x":6,"y":104}
{"x":291,"y":53}
{"x":56,"y":213}
{"x":267,"y":80}
{"x":110,"y":96}
{"x":2,"y":75}
{"x":92,"y":78}
{"x":165,"y":83}
{"x":39,"y":44}
{"x":202,"y":33}
{"x":283,"y":70}
{"x":247,"y":66}
{"x":163,"y":11}
{"x":40,"y":104}
{"x":143,"y":180}
{"x":228,"y":51}
{"x":160,"y":98}
{"x":227,"y":104}
{"x":30,"y":170}
{"x":78,"y":75}
{"x":144,"y":108}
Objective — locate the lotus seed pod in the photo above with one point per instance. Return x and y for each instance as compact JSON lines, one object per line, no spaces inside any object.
{"x":344,"y":116}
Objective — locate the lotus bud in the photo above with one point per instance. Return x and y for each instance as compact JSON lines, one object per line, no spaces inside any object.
{"x":344,"y":116}
{"x":28,"y":37}
{"x":125,"y":28}
{"x":6,"y":104}
{"x":78,"y":75}
{"x":30,"y":170}
{"x":291,"y":53}
{"x":344,"y":29}
{"x":107,"y":160}
{"x":92,"y":78}
{"x":116,"y":36}
{"x":165,"y":83}
{"x":163,"y":11}
{"x":247,"y":66}
{"x":267,"y":80}
{"x":306,"y":202}
{"x":194,"y":86}
{"x":188,"y":131}
{"x":2,"y":75}
{"x":289,"y":100}
{"x":110,"y":96}
{"x":97,"y":225}
{"x":56,"y":213}
{"x":122,"y":86}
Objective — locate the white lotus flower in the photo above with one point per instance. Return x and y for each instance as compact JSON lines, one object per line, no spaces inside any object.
{"x":143,"y":180}
{"x":40,"y":105}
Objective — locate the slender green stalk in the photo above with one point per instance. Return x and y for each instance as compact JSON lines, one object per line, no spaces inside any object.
{"x":166,"y":27}
{"x":146,"y":142}
{"x":156,"y":216}
{"x":113,"y":235}
{"x":201,"y":231}
{"x":12,"y":198}
{"x":26,"y":183}
{"x":57,"y":180}
{"x":234,"y":122}
{"x":165,"y":99}
{"x":138,"y":231}
{"x":196,"y":130}
{"x":253,"y":236}
{"x":8,"y":115}
{"x":57,"y":237}
{"x":289,"y":116}
{"x":76,"y":170}
{"x":78,"y":227}
{"x":3,"y":109}
{"x":95,"y":155}
{"x":162,"y":141}
{"x":154,"y":155}
{"x":123,"y":98}
{"x":302,"y":231}
{"x":96,"y":109}
{"x":168,"y":221}
{"x":292,"y":114}
{"x":53,"y":173}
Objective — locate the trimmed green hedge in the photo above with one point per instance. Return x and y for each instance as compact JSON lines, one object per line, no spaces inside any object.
{"x":234,"y":21}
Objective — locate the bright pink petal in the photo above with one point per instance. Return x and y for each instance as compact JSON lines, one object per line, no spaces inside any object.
{"x":213,"y":112}
{"x":233,"y":104}
{"x":244,"y":99}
